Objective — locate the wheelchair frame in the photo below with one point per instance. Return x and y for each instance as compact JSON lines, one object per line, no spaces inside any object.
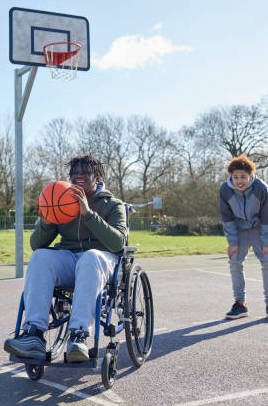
{"x":129,"y":286}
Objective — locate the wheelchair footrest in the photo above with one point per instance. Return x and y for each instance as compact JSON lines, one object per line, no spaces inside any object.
{"x":30,"y":361}
{"x":92,"y":363}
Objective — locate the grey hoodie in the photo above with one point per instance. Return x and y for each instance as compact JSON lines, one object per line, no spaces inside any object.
{"x":244,"y":210}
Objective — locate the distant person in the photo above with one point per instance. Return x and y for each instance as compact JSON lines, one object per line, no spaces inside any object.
{"x":244,"y":211}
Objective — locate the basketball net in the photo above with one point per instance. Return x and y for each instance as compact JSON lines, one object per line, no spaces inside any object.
{"x":62,"y":59}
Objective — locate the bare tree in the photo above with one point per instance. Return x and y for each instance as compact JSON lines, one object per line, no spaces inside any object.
{"x":96,"y":137}
{"x":106,"y":136}
{"x":36,"y":174}
{"x":7,"y":167}
{"x":237,"y":130}
{"x":245,"y":129}
{"x":194,"y":198}
{"x":156,"y":151}
{"x":57,"y":147}
{"x":186,"y":149}
{"x":212,"y":157}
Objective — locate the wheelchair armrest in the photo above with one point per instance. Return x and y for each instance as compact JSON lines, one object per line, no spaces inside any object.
{"x":129,"y":250}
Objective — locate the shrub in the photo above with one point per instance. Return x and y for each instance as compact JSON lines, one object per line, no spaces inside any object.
{"x":215,"y":229}
{"x":177,"y":229}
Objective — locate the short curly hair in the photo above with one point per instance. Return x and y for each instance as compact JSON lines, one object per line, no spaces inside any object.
{"x":241,"y":162}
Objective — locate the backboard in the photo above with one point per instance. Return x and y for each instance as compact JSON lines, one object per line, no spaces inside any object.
{"x":30,"y":30}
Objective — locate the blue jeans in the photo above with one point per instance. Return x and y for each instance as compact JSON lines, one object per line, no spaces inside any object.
{"x":87,"y":272}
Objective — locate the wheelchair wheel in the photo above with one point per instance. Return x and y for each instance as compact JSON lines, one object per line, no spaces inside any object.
{"x":34,"y":372}
{"x":57,"y":333}
{"x":108,"y":370}
{"x":139,"y":315}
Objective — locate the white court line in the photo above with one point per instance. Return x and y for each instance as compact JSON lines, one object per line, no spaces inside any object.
{"x":81,"y":395}
{"x":10,"y":368}
{"x":112,"y":396}
{"x":230,"y":396}
{"x":168,"y":270}
{"x":201,"y":270}
{"x":160,"y":330}
{"x":223,"y":274}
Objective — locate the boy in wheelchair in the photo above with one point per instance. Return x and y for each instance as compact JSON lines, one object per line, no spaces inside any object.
{"x":84,"y":260}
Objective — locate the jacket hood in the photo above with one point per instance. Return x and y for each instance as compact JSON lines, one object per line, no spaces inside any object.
{"x":231,"y":185}
{"x":103,"y":193}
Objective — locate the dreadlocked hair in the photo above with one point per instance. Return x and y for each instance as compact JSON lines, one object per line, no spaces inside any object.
{"x":88,"y":163}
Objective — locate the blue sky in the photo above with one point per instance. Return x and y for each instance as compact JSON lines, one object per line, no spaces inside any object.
{"x":170,"y":60}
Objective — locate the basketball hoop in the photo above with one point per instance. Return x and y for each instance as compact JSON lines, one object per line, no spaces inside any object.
{"x":62,"y":59}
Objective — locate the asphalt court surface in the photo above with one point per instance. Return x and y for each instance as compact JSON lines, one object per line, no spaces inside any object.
{"x":198,"y":358}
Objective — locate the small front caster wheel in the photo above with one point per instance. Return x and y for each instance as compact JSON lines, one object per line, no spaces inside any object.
{"x":108,"y":371}
{"x":34,"y":372}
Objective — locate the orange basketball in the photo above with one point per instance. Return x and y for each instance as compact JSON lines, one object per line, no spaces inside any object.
{"x":56,"y":204}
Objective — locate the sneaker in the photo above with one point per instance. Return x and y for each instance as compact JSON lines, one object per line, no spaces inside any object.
{"x":237,"y":311}
{"x":30,"y":344}
{"x":77,"y":349}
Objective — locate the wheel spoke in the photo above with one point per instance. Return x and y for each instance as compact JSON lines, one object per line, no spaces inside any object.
{"x":139,"y":330}
{"x":57,"y":333}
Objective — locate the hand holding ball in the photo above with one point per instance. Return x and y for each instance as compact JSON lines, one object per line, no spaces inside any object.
{"x":56,"y":203}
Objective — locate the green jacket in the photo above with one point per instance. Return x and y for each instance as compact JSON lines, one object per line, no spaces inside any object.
{"x":105,"y":229}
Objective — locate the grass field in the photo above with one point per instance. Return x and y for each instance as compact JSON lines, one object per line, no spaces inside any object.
{"x":148,"y":244}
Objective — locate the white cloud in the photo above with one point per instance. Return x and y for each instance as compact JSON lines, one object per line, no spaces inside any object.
{"x":135,"y":51}
{"x":157,"y":27}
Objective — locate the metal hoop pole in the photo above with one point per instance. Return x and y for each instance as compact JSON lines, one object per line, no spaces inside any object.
{"x":21,"y":100}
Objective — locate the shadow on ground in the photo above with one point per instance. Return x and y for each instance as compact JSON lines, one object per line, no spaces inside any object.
{"x":24,"y":392}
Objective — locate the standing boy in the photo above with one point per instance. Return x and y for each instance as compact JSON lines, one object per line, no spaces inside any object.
{"x":244,"y":211}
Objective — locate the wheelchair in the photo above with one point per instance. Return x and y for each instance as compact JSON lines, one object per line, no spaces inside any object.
{"x":126,"y":303}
